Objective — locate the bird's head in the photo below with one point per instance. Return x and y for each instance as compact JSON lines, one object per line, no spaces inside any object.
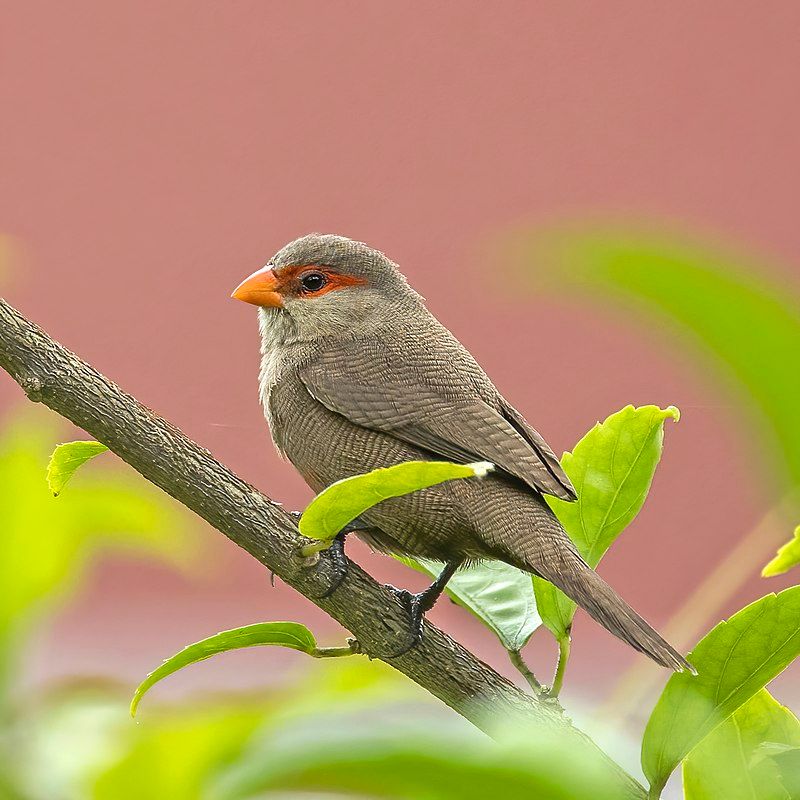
{"x":326,"y":285}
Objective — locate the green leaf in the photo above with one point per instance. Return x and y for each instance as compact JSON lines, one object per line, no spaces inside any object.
{"x":66,"y":459}
{"x":555,"y":608}
{"x":499,"y":595}
{"x":734,"y":763}
{"x":339,"y":504}
{"x":734,"y":660}
{"x":788,"y":557}
{"x":612,"y":468}
{"x":284,"y":634}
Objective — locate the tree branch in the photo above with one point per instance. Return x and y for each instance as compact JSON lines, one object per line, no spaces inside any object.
{"x":50,"y":374}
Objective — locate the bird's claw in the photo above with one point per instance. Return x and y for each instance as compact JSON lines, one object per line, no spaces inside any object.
{"x":418,"y":604}
{"x":336,"y":555}
{"x":415,"y":604}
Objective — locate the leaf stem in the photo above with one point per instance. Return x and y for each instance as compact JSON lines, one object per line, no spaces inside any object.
{"x":350,"y":649}
{"x":519,"y":662}
{"x":314,"y":547}
{"x":561,"y":667}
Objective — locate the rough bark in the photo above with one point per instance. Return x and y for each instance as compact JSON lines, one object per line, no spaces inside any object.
{"x":52,"y":375}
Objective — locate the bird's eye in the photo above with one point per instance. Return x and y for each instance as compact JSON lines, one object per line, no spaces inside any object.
{"x":313,"y":281}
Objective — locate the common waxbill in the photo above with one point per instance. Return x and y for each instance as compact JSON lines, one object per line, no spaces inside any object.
{"x":357,"y":374}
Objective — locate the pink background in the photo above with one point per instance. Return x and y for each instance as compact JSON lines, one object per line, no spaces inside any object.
{"x":152,"y":154}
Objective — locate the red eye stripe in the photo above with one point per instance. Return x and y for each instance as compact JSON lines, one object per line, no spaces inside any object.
{"x":289,"y":278}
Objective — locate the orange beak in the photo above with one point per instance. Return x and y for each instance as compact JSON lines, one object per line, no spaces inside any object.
{"x":259,"y":289}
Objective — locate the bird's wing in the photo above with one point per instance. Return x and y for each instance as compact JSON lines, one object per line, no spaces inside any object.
{"x":537,"y":442}
{"x":459,"y":426}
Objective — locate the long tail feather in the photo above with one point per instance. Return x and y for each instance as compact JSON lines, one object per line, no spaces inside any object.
{"x":580,"y":582}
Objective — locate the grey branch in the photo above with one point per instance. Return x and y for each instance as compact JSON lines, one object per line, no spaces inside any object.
{"x":52,"y":375}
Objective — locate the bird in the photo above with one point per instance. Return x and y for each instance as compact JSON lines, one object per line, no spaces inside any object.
{"x":357,"y":374}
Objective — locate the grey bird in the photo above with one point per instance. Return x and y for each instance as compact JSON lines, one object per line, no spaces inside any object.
{"x":357,"y":374}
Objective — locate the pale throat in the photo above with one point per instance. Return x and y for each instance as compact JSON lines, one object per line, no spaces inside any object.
{"x":276,"y":330}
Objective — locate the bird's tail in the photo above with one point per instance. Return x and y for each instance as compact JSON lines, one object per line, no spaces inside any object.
{"x":580,"y":582}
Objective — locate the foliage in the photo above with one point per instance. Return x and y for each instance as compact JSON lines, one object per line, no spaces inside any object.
{"x":354,"y":726}
{"x":218,"y":750}
{"x":408,"y":759}
{"x":731,"y":762}
{"x":46,"y":545}
{"x":180,"y":754}
{"x":734,"y":660}
{"x":350,"y":726}
{"x":284,"y":634}
{"x":612,"y":468}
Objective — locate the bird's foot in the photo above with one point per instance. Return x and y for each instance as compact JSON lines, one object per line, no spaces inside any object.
{"x":416,"y":605}
{"x":336,"y":555}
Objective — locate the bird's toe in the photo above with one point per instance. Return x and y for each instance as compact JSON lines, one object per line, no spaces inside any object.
{"x":415,"y":605}
{"x":336,"y":557}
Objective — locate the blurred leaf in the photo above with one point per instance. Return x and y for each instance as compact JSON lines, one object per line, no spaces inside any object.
{"x":734,"y":660}
{"x":333,"y":508}
{"x":746,"y":319}
{"x":284,"y":634}
{"x":65,"y":738}
{"x":612,"y":468}
{"x":788,"y":557}
{"x":732,"y":763}
{"x":66,"y":459}
{"x":175,"y":755}
{"x":179,"y":752}
{"x":353,"y":684}
{"x":45,"y":544}
{"x":82,"y":733}
{"x":414,"y":761}
{"x":499,"y":595}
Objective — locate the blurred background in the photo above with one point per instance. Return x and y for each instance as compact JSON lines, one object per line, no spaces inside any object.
{"x":600,"y":200}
